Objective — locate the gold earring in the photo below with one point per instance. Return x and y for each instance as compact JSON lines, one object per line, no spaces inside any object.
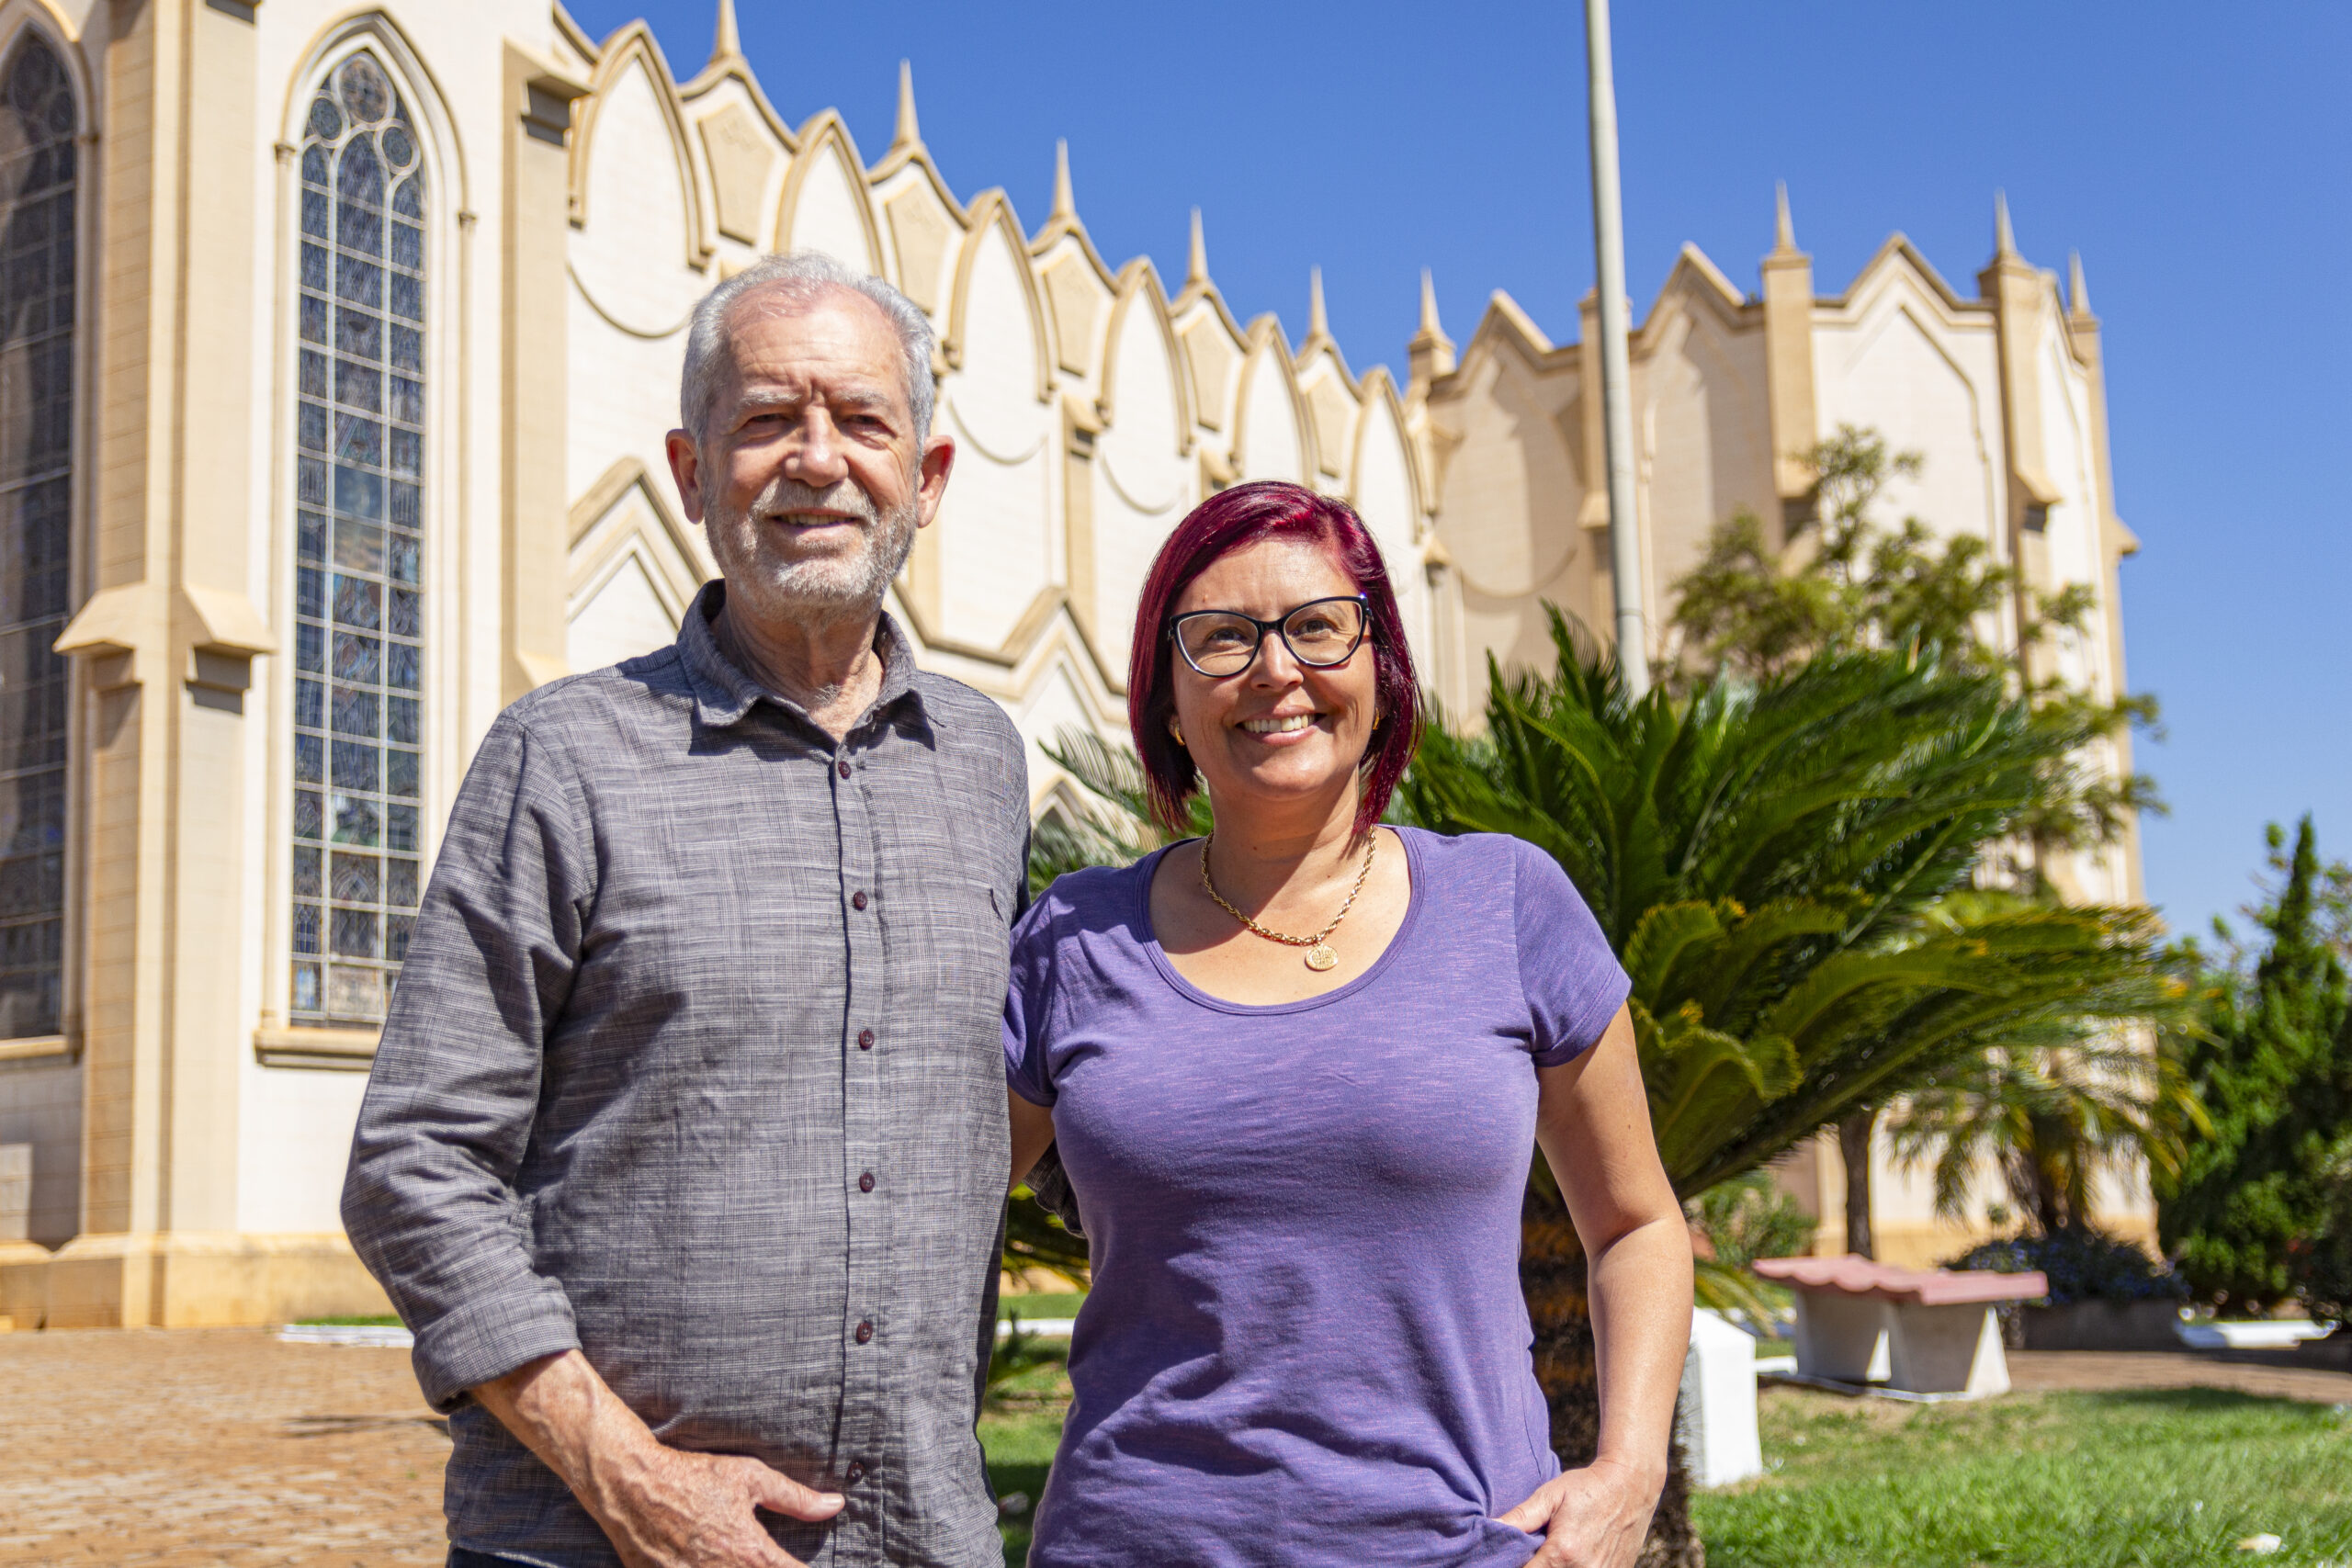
{"x":1177,"y":730}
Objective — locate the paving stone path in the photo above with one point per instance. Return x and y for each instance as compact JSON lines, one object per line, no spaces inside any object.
{"x":198,"y":1448}
{"x":226,"y":1449}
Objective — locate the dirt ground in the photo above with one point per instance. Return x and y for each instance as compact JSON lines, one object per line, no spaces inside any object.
{"x":194,"y":1448}
{"x":225,"y":1449}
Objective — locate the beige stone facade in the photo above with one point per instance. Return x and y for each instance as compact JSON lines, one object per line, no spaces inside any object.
{"x":363,"y":328}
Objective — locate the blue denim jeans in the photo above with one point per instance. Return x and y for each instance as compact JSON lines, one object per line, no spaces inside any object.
{"x":460,"y":1558}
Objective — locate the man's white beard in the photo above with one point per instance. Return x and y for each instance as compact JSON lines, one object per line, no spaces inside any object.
{"x":847,"y":586}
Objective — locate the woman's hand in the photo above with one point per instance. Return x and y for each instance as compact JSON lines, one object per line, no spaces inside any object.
{"x":1593,"y":1518}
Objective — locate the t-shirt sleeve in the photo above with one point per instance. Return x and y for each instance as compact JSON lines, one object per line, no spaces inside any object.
{"x":1573,"y":983}
{"x":1028,"y":1005}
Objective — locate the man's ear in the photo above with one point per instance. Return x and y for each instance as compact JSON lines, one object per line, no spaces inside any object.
{"x":931,"y":477}
{"x":685,"y":472}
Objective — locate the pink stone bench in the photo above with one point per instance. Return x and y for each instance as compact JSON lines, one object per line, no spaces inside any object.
{"x":1911,"y":1330}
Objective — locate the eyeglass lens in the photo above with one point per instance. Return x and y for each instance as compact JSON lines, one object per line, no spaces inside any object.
{"x":1319,"y":634}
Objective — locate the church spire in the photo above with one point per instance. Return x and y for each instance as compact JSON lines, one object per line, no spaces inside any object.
{"x":1196,"y":264}
{"x":1064,"y":198}
{"x":1318,"y":319}
{"x":1430,"y":355}
{"x":726,"y":43}
{"x":2005,"y":241}
{"x":1785,"y":229}
{"x":907,"y":134}
{"x":2078,"y":294}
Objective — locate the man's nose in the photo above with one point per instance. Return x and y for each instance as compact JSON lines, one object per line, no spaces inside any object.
{"x":818,"y":457}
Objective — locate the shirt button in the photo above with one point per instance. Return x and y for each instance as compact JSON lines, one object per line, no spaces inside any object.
{"x":854,"y":1474}
{"x":865,"y":1182}
{"x":841,"y":768}
{"x":857,"y":899}
{"x":865,"y":1040}
{"x":865,"y":1332}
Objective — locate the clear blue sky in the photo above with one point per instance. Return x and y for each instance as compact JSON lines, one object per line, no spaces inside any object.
{"x":2198,"y":156}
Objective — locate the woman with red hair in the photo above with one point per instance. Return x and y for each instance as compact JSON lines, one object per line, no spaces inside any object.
{"x":1293,"y":1072}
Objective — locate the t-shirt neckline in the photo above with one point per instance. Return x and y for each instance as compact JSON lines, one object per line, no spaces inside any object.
{"x":1150,"y":868}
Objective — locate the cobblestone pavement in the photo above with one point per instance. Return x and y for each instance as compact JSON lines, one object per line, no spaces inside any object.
{"x":224,"y":1449}
{"x":214,"y":1449}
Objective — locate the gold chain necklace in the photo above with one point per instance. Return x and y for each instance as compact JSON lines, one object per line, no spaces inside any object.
{"x":1320,"y":956}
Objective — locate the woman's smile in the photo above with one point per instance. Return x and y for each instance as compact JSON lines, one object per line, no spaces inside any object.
{"x":1281,"y":729}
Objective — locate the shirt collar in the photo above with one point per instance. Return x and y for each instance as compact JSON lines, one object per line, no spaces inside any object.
{"x":724,"y":695}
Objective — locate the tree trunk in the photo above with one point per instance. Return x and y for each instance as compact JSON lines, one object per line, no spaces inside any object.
{"x":1552,"y":1273}
{"x":1854,"y":1142}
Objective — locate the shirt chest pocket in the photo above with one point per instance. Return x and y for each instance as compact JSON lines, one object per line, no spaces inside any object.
{"x":952,"y":943}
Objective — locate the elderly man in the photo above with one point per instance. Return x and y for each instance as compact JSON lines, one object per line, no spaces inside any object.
{"x":685,"y":1152}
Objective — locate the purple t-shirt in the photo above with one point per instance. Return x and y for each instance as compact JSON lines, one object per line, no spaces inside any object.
{"x":1305,"y":1341}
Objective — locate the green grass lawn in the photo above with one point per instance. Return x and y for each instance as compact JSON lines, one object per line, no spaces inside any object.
{"x":1019,"y":1430}
{"x":2055,"y":1481}
{"x":1034,"y":1308}
{"x":2146,"y":1480}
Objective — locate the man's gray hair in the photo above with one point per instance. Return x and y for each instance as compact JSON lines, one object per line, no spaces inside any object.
{"x":796,"y":278}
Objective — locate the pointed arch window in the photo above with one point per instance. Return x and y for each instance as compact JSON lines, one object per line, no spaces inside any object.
{"x":358,"y":570}
{"x":36,"y":271}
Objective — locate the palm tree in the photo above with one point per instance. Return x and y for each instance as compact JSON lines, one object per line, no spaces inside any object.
{"x":2049,"y":1108}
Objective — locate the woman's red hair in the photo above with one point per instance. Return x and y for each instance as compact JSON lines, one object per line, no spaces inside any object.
{"x":1231,"y":520}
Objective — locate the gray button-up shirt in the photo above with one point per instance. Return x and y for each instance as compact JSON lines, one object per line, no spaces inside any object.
{"x":696,"y":1064}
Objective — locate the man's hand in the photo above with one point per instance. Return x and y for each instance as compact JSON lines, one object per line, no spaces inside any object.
{"x":1594,"y":1518}
{"x":662,"y":1507}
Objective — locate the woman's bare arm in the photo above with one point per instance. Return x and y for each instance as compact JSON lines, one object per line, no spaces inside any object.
{"x":1593,"y":1126}
{"x":1032,"y":1133}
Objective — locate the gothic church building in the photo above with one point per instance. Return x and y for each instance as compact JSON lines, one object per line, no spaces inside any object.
{"x":336,"y":348}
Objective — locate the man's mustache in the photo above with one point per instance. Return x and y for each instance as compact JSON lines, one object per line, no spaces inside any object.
{"x":783,"y":495}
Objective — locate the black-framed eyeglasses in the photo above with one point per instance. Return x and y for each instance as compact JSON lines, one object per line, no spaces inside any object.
{"x":1319,"y":634}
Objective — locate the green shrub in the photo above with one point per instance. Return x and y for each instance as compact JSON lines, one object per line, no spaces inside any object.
{"x":2083,"y":1265}
{"x":2273,"y":1065}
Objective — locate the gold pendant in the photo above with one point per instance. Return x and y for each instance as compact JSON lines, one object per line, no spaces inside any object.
{"x":1320,"y":957}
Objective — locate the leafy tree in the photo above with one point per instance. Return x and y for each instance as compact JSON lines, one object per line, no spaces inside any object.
{"x":1842,"y":581}
{"x":2320,"y":1266}
{"x":2273,"y":1064}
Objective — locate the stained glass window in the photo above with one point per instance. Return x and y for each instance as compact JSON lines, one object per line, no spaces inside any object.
{"x":359,"y":613}
{"x":37,"y":170}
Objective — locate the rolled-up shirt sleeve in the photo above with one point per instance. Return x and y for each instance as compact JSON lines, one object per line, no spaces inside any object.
{"x":430,"y":1199}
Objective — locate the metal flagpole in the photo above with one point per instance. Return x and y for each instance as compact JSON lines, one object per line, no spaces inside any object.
{"x":1609,"y":245}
